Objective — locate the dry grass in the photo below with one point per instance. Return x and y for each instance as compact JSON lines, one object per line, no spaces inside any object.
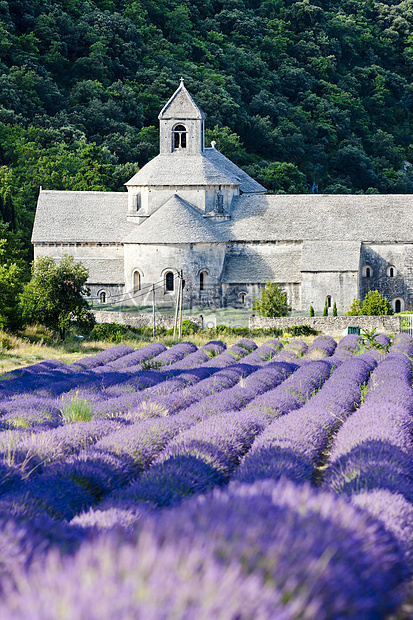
{"x":37,"y":344}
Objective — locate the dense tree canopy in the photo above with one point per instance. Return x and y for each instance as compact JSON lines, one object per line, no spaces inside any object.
{"x":310,"y":95}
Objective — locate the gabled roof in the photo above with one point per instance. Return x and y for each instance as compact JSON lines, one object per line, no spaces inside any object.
{"x":181,"y":105}
{"x":246,"y":183}
{"x":81,"y":217}
{"x":367,"y":218}
{"x":175,"y":222}
{"x":176,"y":169}
{"x":256,"y":264}
{"x":330,"y":256}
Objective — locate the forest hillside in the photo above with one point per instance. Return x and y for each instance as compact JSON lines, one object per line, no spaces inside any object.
{"x":307,"y":96}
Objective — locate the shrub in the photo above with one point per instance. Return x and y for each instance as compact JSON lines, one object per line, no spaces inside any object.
{"x":302,"y":330}
{"x":273,"y":301}
{"x":373,"y":305}
{"x":311,"y":311}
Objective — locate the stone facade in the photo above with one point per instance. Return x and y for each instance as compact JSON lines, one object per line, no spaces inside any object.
{"x":331,"y":325}
{"x":141,"y":320}
{"x":191,"y":210}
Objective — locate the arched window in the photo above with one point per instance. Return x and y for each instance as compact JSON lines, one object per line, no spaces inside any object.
{"x":102,"y":297}
{"x":391,"y":271}
{"x":169,"y":281}
{"x":367,"y":271}
{"x":136,"y":281}
{"x":202,"y":280}
{"x":242,"y":298}
{"x":397,"y":304}
{"x":328,"y":301}
{"x":179,"y":137}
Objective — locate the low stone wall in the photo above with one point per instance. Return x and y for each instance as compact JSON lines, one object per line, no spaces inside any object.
{"x":140,"y":320}
{"x":330,"y":325}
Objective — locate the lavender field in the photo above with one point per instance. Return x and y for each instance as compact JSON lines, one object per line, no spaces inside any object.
{"x":239,"y":483}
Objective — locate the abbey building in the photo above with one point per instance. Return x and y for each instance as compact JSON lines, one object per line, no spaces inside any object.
{"x":191,"y":211}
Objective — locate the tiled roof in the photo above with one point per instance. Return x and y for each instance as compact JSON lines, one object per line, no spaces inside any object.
{"x":246,"y":183}
{"x":260,"y":264}
{"x":81,"y":217}
{"x":180,"y":169}
{"x":330,"y":256}
{"x":375,"y":217}
{"x":104,"y":270}
{"x":176,"y":221}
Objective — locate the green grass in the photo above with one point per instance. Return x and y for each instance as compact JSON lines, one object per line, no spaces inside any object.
{"x":77,"y":410}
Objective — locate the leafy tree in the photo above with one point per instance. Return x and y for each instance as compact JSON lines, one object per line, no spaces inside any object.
{"x":284,"y":178}
{"x":11,"y":283}
{"x":227,"y":142}
{"x":273,"y":301}
{"x":55,"y":296}
{"x":374,"y":304}
{"x":355,"y":308}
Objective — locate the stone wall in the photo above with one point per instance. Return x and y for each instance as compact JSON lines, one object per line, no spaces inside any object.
{"x":330,"y":325}
{"x":380,"y":258}
{"x":140,"y":320}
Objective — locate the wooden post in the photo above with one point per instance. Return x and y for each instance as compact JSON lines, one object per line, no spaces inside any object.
{"x":153,"y":312}
{"x":176,"y":310}
{"x":181,"y":281}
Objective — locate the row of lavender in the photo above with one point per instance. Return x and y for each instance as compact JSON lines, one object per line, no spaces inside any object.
{"x":287,"y":411}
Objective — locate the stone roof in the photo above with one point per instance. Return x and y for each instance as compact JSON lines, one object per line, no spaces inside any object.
{"x":375,"y":217}
{"x":181,"y":105}
{"x":246,"y":183}
{"x":104,"y":270}
{"x":176,"y":221}
{"x":178,"y":169}
{"x":81,"y":217}
{"x":254,"y":264}
{"x":330,"y":256}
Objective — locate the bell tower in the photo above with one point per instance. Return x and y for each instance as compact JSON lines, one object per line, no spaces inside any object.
{"x":181,"y":125}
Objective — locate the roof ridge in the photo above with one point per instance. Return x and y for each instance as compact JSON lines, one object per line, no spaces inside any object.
{"x":181,"y":88}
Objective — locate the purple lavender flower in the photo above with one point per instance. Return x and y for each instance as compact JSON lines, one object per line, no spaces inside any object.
{"x":175,"y":353}
{"x":322,"y":346}
{"x":137,"y":357}
{"x":104,"y":357}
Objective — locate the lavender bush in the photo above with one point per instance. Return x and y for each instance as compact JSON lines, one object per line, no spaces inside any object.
{"x":317,"y":563}
{"x":229,"y":425}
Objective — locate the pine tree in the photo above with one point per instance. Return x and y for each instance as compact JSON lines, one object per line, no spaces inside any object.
{"x":311,"y":311}
{"x":334,"y":309}
{"x":325,"y":311}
